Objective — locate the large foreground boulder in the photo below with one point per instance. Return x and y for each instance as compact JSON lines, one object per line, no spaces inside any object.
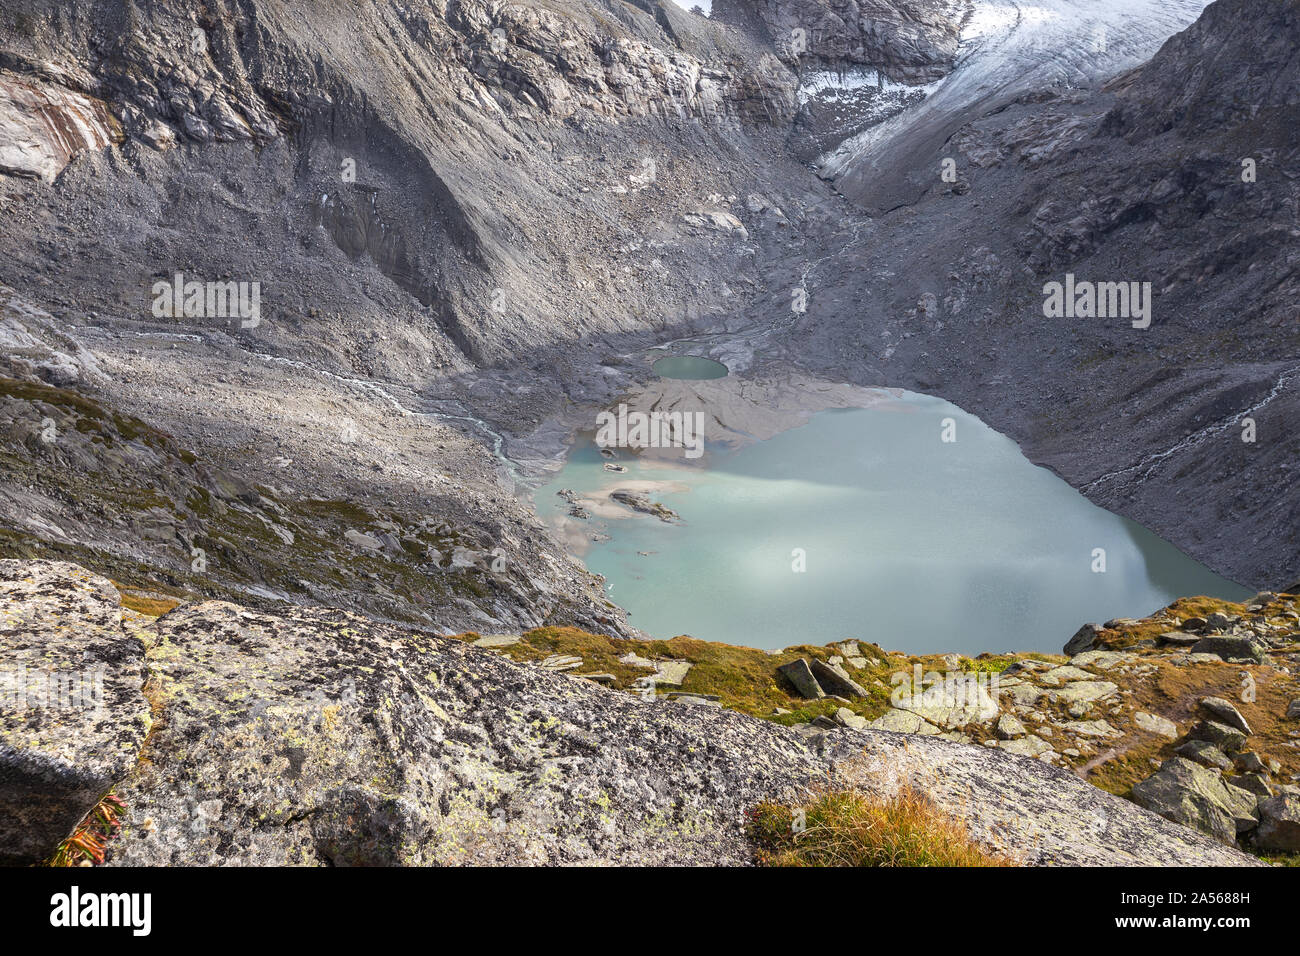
{"x":72,"y":716}
{"x":319,"y":737}
{"x":1190,"y":794}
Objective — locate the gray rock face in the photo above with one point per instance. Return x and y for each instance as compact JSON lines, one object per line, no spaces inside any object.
{"x":1083,"y":640}
{"x":1008,"y":727}
{"x":1196,"y":797}
{"x":317,"y":736}
{"x":800,"y":675}
{"x":1050,"y":186}
{"x":1256,"y":783}
{"x":1156,"y":724}
{"x":349,"y":178}
{"x":849,"y":719}
{"x":1228,"y":739}
{"x":72,"y":715}
{"x":835,"y":679}
{"x":908,"y":40}
{"x":562,"y":116}
{"x":1226,"y":712}
{"x":1232,"y":648}
{"x":1279,"y":824}
{"x":1204,"y":753}
{"x":407,"y":749}
{"x":43,"y":125}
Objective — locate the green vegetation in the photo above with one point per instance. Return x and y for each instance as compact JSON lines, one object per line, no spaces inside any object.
{"x":851,"y":828}
{"x":743,"y":678}
{"x":250,"y":536}
{"x":1281,"y":859}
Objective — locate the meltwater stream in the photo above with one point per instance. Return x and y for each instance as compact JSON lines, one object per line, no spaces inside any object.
{"x":865,"y":523}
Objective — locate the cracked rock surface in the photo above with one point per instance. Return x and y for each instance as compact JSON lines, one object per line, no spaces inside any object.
{"x":72,"y":716}
{"x":318,"y":737}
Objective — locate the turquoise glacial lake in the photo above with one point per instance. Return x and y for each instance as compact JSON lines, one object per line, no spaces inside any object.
{"x":864,"y":523}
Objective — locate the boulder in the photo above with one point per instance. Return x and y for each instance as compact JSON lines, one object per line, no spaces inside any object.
{"x":1279,"y":824}
{"x":1196,"y":797}
{"x":1104,"y":660}
{"x":1228,"y":739}
{"x":1293,"y":710}
{"x":1009,"y":728}
{"x":1083,"y":640}
{"x":834,"y":679}
{"x":1255,"y":783}
{"x":1063,"y":674}
{"x":800,"y":675}
{"x":1029,"y":745}
{"x":359,"y":539}
{"x":1022,"y":695}
{"x":903,"y":722}
{"x":1155,"y":724}
{"x":847,"y":718}
{"x":1090,"y":728}
{"x":671,"y":673}
{"x":72,"y":713}
{"x":1225,"y":712}
{"x":713,"y":220}
{"x":697,"y":700}
{"x":498,"y":640}
{"x":1248,"y":762}
{"x":633,"y":659}
{"x":1232,"y":648}
{"x":1204,"y":753}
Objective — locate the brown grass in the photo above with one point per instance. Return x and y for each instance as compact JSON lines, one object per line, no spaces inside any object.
{"x":149,"y":601}
{"x":852,"y":828}
{"x":153,"y":607}
{"x":86,"y":845}
{"x":744,"y":678}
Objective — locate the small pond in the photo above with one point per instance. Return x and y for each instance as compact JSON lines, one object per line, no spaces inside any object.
{"x":691,"y":367}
